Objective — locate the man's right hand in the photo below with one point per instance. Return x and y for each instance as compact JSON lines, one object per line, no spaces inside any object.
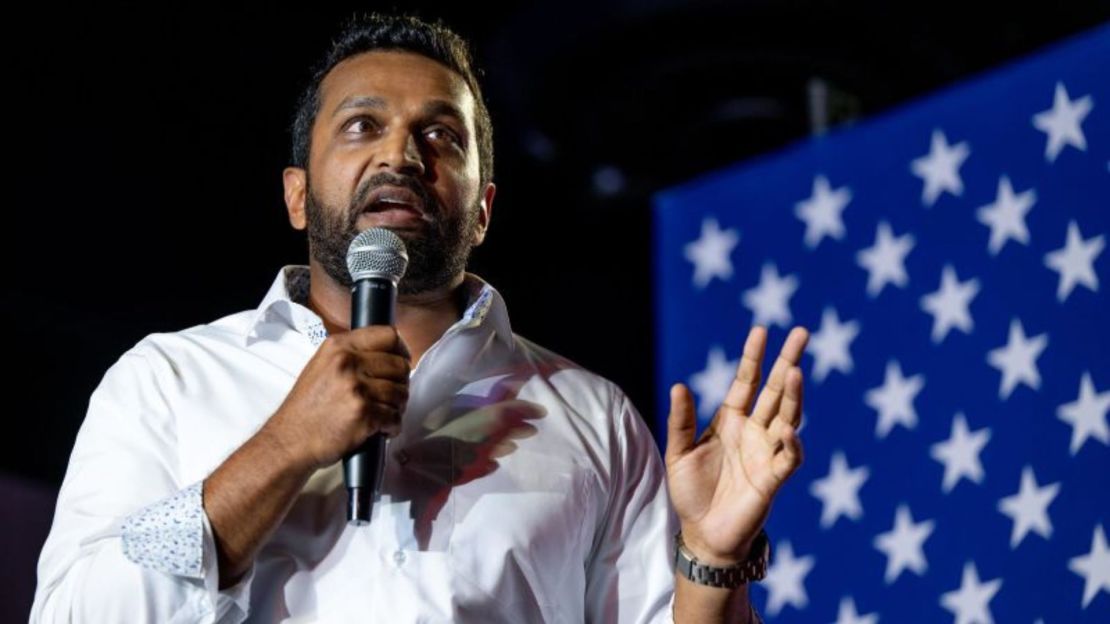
{"x":356,"y":384}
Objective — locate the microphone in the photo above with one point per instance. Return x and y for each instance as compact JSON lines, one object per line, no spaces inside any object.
{"x":376,"y":260}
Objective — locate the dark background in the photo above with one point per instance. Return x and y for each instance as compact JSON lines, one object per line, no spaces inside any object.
{"x":147,"y":145}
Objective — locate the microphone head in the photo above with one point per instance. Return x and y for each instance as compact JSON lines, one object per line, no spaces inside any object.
{"x":377,"y":252}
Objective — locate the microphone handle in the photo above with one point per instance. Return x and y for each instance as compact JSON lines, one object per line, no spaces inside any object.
{"x":373,"y":301}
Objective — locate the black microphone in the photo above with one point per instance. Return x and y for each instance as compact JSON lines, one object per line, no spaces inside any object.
{"x":376,"y":260}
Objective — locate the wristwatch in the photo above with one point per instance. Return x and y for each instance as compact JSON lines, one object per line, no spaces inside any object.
{"x":754,"y":569}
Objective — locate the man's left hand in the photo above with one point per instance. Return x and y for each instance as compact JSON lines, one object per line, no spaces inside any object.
{"x":722,"y":485}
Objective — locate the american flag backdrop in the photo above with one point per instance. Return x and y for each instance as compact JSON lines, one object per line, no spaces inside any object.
{"x":950,"y":261}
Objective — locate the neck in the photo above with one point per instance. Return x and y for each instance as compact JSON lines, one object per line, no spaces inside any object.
{"x":421,"y":318}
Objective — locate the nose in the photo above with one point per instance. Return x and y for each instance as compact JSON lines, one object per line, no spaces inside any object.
{"x":401,"y":154}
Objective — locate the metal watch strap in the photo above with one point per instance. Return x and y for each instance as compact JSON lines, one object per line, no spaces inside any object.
{"x":754,"y":569}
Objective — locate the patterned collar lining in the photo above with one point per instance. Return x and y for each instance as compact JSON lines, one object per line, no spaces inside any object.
{"x":292,"y":287}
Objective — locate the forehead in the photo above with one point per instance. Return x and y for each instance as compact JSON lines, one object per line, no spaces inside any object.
{"x":402,"y":79}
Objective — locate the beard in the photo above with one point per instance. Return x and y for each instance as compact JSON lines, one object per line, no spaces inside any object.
{"x":436,"y":254}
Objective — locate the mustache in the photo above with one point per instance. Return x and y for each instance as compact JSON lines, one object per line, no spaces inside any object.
{"x":358,"y":201}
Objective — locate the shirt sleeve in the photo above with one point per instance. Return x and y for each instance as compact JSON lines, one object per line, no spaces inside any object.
{"x":129,"y":541}
{"x":630,"y":576}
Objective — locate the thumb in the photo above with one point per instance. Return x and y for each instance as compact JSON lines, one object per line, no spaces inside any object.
{"x":681,"y":423}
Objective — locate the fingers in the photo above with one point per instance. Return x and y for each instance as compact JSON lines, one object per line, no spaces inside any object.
{"x":385,"y":418}
{"x":384,"y":403}
{"x":681,"y":423}
{"x":385,"y":391}
{"x":382,"y":366}
{"x":783,"y":429}
{"x":377,"y":338}
{"x":789,"y":455}
{"x":767,"y":405}
{"x":790,"y":411}
{"x":748,"y":373}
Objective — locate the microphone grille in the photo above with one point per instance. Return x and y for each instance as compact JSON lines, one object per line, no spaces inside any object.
{"x":377,"y":252}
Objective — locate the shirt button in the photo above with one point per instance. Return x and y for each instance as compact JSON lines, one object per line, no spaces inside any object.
{"x":399,"y":557}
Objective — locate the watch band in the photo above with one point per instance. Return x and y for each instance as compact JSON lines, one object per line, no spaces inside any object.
{"x":754,"y":569}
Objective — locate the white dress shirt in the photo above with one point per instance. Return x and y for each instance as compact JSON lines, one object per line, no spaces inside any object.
{"x":522,"y":487}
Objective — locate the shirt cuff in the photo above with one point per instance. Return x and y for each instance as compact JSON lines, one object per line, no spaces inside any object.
{"x":168,"y":535}
{"x":174,"y":536}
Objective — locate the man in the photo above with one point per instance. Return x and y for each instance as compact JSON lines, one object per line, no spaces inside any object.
{"x":204,"y":484}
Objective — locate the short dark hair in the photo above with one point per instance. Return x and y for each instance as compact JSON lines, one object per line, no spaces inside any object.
{"x":375,"y":31}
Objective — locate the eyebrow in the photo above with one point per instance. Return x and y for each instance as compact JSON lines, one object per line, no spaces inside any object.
{"x":360,"y":101}
{"x":434,"y":108}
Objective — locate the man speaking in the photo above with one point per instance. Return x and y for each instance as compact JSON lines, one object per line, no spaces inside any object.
{"x":205,"y":484}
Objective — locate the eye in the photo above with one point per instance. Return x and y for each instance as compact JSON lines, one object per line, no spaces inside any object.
{"x":443,"y":132}
{"x":360,"y":125}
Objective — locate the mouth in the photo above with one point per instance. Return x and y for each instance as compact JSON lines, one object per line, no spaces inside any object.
{"x":393,"y":217}
{"x":394,"y":199}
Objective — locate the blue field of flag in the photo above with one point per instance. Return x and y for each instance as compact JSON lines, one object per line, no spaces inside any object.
{"x":949,"y":259}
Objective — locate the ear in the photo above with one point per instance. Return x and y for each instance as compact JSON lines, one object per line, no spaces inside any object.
{"x":294,"y":179}
{"x":485,"y":213}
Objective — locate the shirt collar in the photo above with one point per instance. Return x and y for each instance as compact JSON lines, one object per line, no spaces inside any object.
{"x":287,"y":302}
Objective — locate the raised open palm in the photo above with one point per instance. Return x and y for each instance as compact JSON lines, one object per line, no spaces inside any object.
{"x":722,"y":485}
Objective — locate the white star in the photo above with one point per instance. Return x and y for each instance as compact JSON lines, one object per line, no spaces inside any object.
{"x":839,"y":491}
{"x":785,"y":580}
{"x":1017,"y":361}
{"x":894,"y":399}
{"x":830,"y":344}
{"x":849,"y":615}
{"x":940,"y":169}
{"x":960,"y":453}
{"x":1075,"y":261}
{"x":710,"y":252}
{"x":1062,"y":122}
{"x":885,"y":261}
{"x":1028,"y":509}
{"x":970,"y":602}
{"x":949,"y":304}
{"x":821,"y":212}
{"x":769,"y":301}
{"x":902,"y":545}
{"x":1094,"y":567}
{"x":712,"y":383}
{"x":1006,"y":216}
{"x":1087,"y":414}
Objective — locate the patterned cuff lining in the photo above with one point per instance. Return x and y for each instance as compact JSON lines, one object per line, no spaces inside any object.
{"x":168,"y":535}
